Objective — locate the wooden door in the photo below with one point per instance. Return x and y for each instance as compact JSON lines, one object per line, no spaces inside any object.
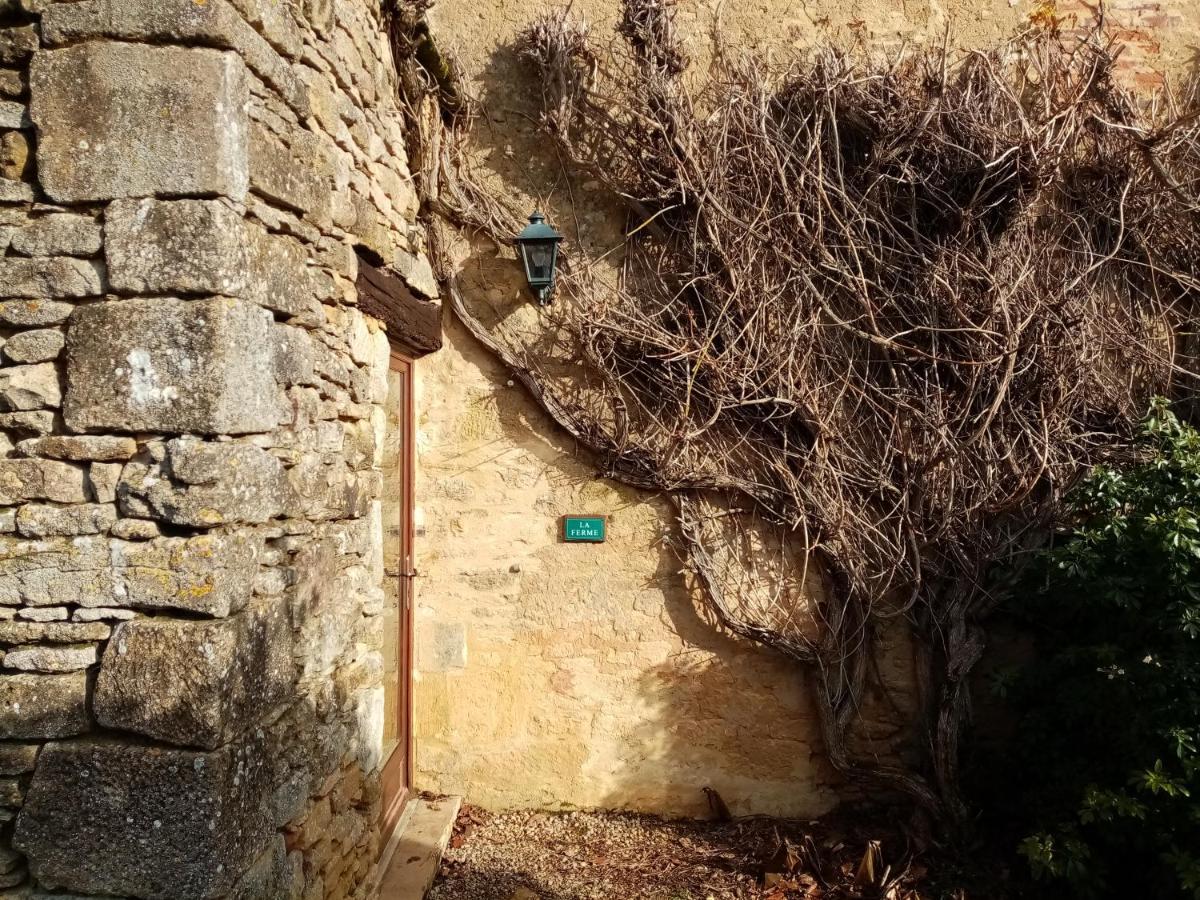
{"x":397,"y":501}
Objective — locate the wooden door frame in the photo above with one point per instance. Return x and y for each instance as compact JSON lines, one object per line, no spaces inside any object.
{"x":397,"y":773}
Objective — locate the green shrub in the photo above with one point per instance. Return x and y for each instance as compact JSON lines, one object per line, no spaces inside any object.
{"x":1100,"y":782}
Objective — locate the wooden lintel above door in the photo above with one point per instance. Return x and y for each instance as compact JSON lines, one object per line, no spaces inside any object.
{"x":414,"y":325}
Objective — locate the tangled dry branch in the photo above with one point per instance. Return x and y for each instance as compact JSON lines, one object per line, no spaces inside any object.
{"x":891,"y":311}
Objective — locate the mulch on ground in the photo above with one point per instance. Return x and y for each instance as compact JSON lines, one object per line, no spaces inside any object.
{"x":621,"y":856}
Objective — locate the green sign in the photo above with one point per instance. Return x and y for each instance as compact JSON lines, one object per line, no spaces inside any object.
{"x":584,"y":529}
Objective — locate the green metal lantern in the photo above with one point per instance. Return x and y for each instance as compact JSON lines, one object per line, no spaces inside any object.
{"x":539,"y":243}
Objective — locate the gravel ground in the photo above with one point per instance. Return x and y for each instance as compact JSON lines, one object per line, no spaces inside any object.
{"x":619,"y":856}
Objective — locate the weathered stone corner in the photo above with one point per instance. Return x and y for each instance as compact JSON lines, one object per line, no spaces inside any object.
{"x":104,"y":817}
{"x":169,"y":365}
{"x":196,"y":684}
{"x":133,"y":120}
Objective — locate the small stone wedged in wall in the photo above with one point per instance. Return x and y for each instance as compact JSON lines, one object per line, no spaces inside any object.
{"x":53,"y":632}
{"x":41,"y":658}
{"x":204,"y":485}
{"x":29,"y":387}
{"x":12,"y":83}
{"x":18,"y":44}
{"x":79,"y":448}
{"x":38,"y":421}
{"x":156,"y":823}
{"x":153,"y":682}
{"x":18,"y":759}
{"x":170,"y":365}
{"x":34,"y":313}
{"x":274,"y":22}
{"x":35,"y":346}
{"x":22,"y":480}
{"x":58,"y":234}
{"x":16,"y":157}
{"x":42,"y":707}
{"x":99,"y":108}
{"x":53,"y":277}
{"x":102,"y":482}
{"x":37,"y":520}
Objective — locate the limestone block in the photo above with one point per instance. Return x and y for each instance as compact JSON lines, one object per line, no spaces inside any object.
{"x":29,"y":313}
{"x":40,"y":479}
{"x":274,"y":874}
{"x":59,"y":234}
{"x":53,"y":632}
{"x":176,"y":246}
{"x":29,"y":387}
{"x":284,"y":174}
{"x":43,"y":706}
{"x":103,"y":480}
{"x":14,"y":156}
{"x":206,"y":575}
{"x":12,"y":83}
{"x":295,"y":356}
{"x":197,"y":684}
{"x":43,"y":614}
{"x":102,"y":614}
{"x":129,"y":120}
{"x":79,"y":448}
{"x":210,"y":484}
{"x":42,"y":520}
{"x":329,"y":491}
{"x":186,"y":366}
{"x":12,"y":114}
{"x":104,"y":817}
{"x":136,"y":529}
{"x":17,"y":759}
{"x":67,"y":658}
{"x":320,"y":14}
{"x":273,"y":20}
{"x":418,"y":273}
{"x":213,"y":575}
{"x":280,"y":278}
{"x":15,"y":191}
{"x":211,"y":23}
{"x":38,"y":345}
{"x":38,"y":421}
{"x":11,"y":796}
{"x":54,"y":277}
{"x":17,"y":44}
{"x":201,"y":246}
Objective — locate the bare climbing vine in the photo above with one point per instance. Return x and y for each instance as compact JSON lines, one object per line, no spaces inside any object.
{"x":871,"y":321}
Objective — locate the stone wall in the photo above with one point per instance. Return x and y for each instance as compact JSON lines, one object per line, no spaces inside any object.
{"x":190,"y":429}
{"x":577,"y":676}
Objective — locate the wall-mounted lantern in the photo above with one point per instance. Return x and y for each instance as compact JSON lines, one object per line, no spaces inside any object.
{"x":538,"y":243}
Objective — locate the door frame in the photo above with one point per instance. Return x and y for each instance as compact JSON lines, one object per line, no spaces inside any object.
{"x":397,"y":773}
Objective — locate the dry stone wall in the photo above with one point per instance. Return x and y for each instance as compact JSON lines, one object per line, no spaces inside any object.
{"x":190,"y":437}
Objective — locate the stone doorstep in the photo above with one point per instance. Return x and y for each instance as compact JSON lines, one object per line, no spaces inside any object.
{"x":416,"y":849}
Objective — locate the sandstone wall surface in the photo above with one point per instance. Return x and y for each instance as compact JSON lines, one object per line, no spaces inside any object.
{"x":190,"y":433}
{"x":573,"y":676}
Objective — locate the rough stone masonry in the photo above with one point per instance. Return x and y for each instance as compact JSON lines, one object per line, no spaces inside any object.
{"x":190,"y":437}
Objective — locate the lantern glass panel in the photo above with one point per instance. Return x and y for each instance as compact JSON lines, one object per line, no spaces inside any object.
{"x":539,"y":261}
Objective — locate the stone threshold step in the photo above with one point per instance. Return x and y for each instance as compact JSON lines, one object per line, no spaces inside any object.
{"x":414,"y":864}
